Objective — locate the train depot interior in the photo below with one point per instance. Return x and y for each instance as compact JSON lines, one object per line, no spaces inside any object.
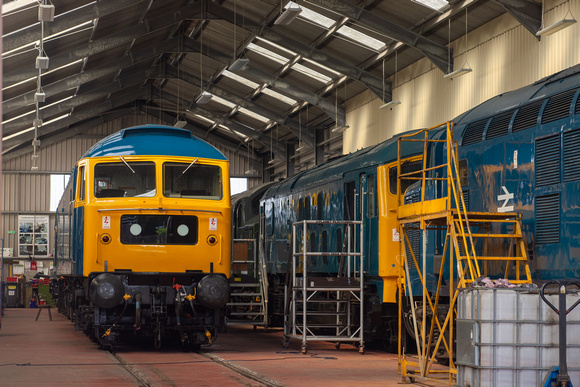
{"x":274,"y":179}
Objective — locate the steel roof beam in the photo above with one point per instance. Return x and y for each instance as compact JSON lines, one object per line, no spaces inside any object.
{"x":58,"y":126}
{"x":375,"y":84}
{"x":275,"y":82}
{"x":422,"y":27}
{"x":23,"y":122}
{"x":197,"y":130}
{"x":102,"y":45}
{"x":248,"y":104}
{"x":336,"y":112}
{"x":63,"y":22}
{"x":228,"y":122}
{"x":77,"y":80}
{"x":437,"y":53}
{"x":527,"y":12}
{"x":67,"y":133}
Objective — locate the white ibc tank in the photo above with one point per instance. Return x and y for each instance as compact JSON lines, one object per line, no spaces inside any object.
{"x":509,"y":337}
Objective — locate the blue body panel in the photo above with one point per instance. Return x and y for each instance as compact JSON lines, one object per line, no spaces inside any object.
{"x":324,"y":187}
{"x":156,"y":140}
{"x":78,"y":240}
{"x":537,"y":165}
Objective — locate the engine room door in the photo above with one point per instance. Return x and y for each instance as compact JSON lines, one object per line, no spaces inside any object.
{"x":355,"y":204}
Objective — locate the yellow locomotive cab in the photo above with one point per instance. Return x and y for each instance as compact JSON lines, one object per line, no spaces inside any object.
{"x":154,"y":219}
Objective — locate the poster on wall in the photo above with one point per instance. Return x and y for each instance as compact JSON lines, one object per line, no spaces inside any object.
{"x":33,"y":235}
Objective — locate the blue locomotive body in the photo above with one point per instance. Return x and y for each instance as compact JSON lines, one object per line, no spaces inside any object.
{"x":518,"y":152}
{"x":521,"y":153}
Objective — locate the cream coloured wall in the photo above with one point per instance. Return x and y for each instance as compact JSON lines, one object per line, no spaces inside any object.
{"x":503,"y":55}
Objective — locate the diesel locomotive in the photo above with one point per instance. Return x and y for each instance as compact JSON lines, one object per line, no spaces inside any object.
{"x":143,"y":238}
{"x":518,"y":152}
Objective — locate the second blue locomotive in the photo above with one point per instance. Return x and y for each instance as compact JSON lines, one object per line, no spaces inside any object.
{"x":518,"y":152}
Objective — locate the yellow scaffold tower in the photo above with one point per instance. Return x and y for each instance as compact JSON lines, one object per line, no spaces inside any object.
{"x":496,"y":237}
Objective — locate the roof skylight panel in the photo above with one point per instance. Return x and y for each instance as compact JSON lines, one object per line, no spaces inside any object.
{"x":203,"y":119}
{"x":322,"y":67}
{"x":222,"y":101}
{"x":344,"y":31}
{"x":267,"y":53}
{"x":254,"y":115}
{"x":228,"y":129}
{"x":242,"y":80}
{"x":314,"y":16}
{"x":361,"y":38}
{"x":277,"y":46}
{"x":311,"y":73}
{"x":437,"y":5}
{"x":279,"y":97}
{"x":45,"y":123}
{"x":17,"y":5}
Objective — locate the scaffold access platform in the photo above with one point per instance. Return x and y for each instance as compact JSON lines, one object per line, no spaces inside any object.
{"x":475,"y":245}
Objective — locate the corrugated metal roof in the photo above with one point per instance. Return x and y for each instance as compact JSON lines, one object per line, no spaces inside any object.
{"x":129,"y":53}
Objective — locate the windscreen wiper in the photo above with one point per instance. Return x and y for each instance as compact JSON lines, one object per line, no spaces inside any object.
{"x":127,"y":164}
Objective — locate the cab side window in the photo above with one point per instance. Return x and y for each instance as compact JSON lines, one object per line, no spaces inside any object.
{"x":82,"y":183}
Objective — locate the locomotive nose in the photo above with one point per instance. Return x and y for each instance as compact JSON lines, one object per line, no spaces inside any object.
{"x":213,"y":291}
{"x":106,"y":290}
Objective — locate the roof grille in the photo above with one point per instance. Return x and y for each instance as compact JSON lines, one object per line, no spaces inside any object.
{"x":548,"y":161}
{"x":499,"y":125}
{"x":572,"y":156}
{"x":527,"y":116}
{"x":548,"y":219}
{"x":577,"y":108}
{"x":558,"y":106}
{"x":473,"y":133}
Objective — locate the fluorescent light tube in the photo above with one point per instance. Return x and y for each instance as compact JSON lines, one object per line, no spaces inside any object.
{"x":458,"y":73}
{"x":560,"y":25}
{"x":389,"y":104}
{"x":338,"y":129}
{"x":180,"y":123}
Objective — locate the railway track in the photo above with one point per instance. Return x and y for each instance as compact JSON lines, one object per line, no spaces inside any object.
{"x":147,"y":373}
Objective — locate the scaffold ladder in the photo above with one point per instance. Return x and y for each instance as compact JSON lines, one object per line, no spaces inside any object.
{"x":465,"y":233}
{"x":249,"y":285}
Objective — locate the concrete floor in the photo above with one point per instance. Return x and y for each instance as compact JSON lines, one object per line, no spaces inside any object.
{"x":52,"y":353}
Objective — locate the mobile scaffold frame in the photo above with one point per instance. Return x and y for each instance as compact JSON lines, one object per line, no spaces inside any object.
{"x":321,"y":305}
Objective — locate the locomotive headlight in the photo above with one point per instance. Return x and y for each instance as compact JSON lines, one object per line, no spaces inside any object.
{"x":106,"y":290}
{"x":213,"y":291}
{"x":212,"y":240}
{"x":106,"y":238}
